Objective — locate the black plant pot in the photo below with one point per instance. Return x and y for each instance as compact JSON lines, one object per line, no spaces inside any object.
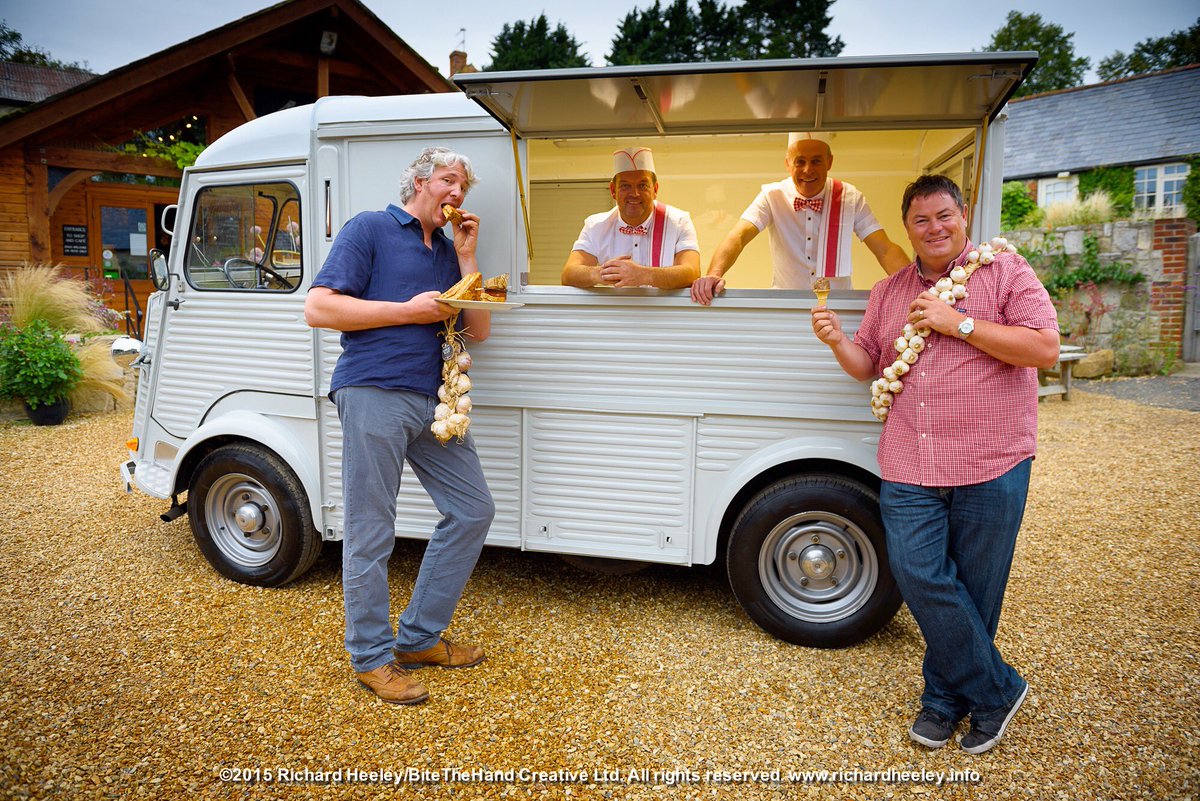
{"x":49,"y":414}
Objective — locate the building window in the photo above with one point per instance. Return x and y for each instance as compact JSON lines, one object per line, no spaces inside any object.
{"x":1159,"y":187}
{"x":1057,"y":190}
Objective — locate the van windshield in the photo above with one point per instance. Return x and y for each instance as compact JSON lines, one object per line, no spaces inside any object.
{"x":246,"y":237}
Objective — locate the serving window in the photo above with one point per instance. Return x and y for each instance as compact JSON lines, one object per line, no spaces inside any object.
{"x":715,"y":177}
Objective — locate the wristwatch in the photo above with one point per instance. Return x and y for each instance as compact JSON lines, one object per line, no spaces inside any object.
{"x":966,"y":327}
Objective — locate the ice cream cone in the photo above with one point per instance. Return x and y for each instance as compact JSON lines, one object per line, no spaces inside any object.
{"x":820,"y":288}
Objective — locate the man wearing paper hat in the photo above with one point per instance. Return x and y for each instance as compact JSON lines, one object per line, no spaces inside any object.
{"x":640,"y":241}
{"x":810,"y":217}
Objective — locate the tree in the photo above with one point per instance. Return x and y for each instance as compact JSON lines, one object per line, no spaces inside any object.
{"x":533,"y":46}
{"x":717,"y":32}
{"x":14,"y":49}
{"x":1176,"y":49}
{"x":1057,"y":66}
{"x":788,"y":29}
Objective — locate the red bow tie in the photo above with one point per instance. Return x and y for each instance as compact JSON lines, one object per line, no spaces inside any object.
{"x":638,"y":231}
{"x":813,"y":203}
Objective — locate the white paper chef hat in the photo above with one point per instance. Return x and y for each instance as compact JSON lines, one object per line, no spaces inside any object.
{"x":633,"y":158}
{"x":796,"y":136}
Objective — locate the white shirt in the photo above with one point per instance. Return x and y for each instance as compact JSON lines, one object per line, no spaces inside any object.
{"x":602,"y":237}
{"x":797,"y":237}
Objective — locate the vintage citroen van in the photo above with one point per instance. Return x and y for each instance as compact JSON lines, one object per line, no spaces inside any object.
{"x":616,"y":427}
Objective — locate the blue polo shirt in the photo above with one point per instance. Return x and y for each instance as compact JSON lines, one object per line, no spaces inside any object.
{"x":381,"y":255}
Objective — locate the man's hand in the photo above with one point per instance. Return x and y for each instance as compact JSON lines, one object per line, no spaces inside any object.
{"x":425,"y":308}
{"x":707,"y":287}
{"x":827,"y":326}
{"x":466,"y":234}
{"x":623,"y":271}
{"x":935,"y":313}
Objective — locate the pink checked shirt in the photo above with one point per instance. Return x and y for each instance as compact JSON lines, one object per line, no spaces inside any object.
{"x":964,"y":417}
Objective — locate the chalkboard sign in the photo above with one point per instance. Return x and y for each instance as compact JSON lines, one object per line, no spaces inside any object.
{"x":75,"y":240}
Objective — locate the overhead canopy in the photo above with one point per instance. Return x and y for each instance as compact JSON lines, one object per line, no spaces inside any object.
{"x":853,"y":93}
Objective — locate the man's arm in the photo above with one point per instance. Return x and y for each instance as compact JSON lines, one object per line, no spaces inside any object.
{"x":705,"y":288}
{"x":328,"y":308}
{"x":854,"y":360}
{"x":891,"y":257}
{"x":624,"y":271}
{"x":581,"y":270}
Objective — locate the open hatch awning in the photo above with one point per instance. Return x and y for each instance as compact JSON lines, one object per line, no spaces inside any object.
{"x":853,"y":93}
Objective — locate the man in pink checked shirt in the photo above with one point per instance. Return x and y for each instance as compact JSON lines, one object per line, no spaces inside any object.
{"x":640,"y":241}
{"x":809,"y":218}
{"x":955,"y":452}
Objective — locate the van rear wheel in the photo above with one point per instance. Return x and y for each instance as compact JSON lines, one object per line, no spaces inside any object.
{"x":808,"y":563}
{"x":250,"y":518}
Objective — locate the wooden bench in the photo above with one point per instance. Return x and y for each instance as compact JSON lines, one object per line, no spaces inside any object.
{"x":1051,"y":382}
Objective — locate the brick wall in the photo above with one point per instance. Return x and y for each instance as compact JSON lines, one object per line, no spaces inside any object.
{"x":1167,"y":291}
{"x":1145,"y":319}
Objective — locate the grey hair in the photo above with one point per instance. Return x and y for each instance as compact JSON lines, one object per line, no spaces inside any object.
{"x":430,"y":159}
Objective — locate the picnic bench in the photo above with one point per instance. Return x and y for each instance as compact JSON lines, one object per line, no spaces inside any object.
{"x":1058,"y":381}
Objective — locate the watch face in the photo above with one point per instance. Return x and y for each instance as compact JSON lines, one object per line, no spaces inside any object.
{"x":966,"y":327}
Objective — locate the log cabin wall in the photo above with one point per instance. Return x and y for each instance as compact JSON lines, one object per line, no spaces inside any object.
{"x":50,"y":151}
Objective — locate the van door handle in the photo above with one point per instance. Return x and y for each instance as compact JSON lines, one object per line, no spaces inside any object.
{"x":174,"y":303}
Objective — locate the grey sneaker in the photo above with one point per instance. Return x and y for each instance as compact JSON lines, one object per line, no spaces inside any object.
{"x":931,"y":729}
{"x":986,"y":732}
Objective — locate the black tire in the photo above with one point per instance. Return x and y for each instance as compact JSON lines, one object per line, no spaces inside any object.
{"x":808,"y":562}
{"x":250,"y":517}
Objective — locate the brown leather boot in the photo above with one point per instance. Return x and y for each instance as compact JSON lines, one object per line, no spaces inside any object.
{"x":393,"y":685}
{"x":445,"y":654}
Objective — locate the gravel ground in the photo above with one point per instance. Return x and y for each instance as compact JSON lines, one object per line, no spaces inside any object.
{"x":131,"y":670}
{"x":1172,"y":392}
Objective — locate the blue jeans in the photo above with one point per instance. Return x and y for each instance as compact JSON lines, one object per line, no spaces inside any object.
{"x":380,"y":429}
{"x":950,"y":549}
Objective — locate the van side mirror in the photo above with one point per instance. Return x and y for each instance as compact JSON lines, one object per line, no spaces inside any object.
{"x":158,"y":269}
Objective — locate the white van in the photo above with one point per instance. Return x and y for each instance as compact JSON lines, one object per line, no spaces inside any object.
{"x":614,"y":426}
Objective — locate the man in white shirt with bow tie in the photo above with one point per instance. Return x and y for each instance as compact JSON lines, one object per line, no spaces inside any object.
{"x":810,"y":217}
{"x":640,"y":241}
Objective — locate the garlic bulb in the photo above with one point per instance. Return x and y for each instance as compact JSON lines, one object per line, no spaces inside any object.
{"x":464,"y":361}
{"x":948,"y":289}
{"x":441,"y":412}
{"x":463,"y":406}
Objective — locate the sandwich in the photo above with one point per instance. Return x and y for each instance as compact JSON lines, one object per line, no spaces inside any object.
{"x":466,"y":289}
{"x":452,"y":214}
{"x":495,"y":289}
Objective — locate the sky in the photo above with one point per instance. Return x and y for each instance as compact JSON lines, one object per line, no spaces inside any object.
{"x":108,"y":34}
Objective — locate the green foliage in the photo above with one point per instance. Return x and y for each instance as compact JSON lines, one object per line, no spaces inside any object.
{"x":788,"y":29}
{"x":1176,"y":49}
{"x":181,"y":154}
{"x":1117,"y":182}
{"x":1191,"y":188}
{"x":676,"y":33}
{"x":1057,"y":66}
{"x":36,"y":364}
{"x":1061,"y":276}
{"x":532,"y":46}
{"x":14,"y":49}
{"x":1015,"y":205}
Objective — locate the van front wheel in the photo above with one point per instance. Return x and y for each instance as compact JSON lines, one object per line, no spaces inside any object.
{"x":250,"y":517}
{"x":808,"y":562}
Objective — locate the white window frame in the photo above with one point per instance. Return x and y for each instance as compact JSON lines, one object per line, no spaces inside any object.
{"x":1158,"y":188}
{"x":1057,"y":189}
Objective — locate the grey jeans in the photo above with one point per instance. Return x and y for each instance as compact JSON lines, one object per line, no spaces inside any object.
{"x":380,"y":429}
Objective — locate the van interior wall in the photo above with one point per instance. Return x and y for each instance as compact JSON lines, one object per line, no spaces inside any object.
{"x":714,"y":177}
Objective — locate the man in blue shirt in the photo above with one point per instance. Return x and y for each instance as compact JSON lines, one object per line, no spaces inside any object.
{"x":379,"y":287}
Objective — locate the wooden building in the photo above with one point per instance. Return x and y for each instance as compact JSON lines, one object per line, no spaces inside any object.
{"x":76,"y":185}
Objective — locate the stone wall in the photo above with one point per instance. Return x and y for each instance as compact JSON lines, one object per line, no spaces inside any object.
{"x":1145,"y":321}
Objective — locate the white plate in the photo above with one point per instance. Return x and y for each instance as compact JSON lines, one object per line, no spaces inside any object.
{"x":481,"y":304}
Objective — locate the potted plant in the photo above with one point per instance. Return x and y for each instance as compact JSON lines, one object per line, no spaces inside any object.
{"x":38,"y":367}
